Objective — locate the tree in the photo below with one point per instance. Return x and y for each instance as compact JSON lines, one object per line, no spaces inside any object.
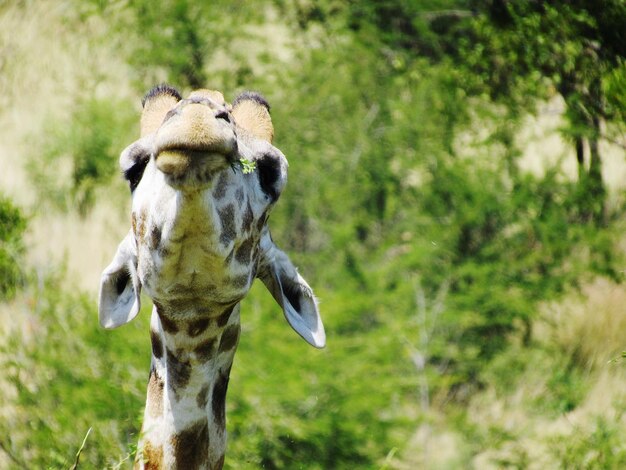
{"x":503,"y":240}
{"x":520,"y":52}
{"x":190,"y":44}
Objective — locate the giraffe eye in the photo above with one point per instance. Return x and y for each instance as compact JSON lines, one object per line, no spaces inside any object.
{"x":134,"y":173}
{"x":269,"y":171}
{"x":138,"y":158}
{"x":223,"y":114}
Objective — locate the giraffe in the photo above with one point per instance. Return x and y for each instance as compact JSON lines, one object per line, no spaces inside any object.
{"x":198,"y":239}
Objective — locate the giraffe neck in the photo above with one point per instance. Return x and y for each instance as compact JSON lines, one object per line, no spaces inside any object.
{"x":184,"y":420}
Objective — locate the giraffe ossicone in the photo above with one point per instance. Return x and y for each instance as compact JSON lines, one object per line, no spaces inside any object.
{"x":198,"y":239}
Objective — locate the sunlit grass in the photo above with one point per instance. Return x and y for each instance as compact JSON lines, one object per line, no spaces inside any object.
{"x":591,"y":323}
{"x":66,"y":375}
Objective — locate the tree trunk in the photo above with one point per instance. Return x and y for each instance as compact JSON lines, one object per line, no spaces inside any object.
{"x":597,"y":192}
{"x":580,"y":158}
{"x":591,"y":190}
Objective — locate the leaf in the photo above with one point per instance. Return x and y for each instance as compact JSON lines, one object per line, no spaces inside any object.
{"x":247,"y":166}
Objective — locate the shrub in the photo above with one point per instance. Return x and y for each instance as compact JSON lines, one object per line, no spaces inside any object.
{"x":63,"y":375}
{"x":600,"y":447}
{"x":83,"y":153}
{"x":12,"y":227}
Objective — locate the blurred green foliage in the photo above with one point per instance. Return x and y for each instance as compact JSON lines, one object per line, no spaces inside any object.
{"x":431,"y":256}
{"x":66,"y":376}
{"x":83,"y":150}
{"x":517,"y":53}
{"x":600,"y":448}
{"x":12,"y":229}
{"x":191,"y":44}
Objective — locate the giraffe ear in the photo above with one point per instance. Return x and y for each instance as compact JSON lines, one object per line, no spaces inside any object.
{"x":156,"y":104}
{"x":252,"y":112}
{"x":291,"y":292}
{"x":119,"y":299}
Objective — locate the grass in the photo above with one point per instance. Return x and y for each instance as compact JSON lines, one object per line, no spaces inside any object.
{"x":40,"y":83}
{"x":65,"y":378}
{"x":558,"y":404}
{"x":590,"y":323}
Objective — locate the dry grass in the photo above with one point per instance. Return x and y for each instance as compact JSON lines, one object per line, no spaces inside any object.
{"x":53,"y":60}
{"x":588,"y":328}
{"x":85,"y":246}
{"x":533,"y":440}
{"x":519,"y":426}
{"x":589,"y":325}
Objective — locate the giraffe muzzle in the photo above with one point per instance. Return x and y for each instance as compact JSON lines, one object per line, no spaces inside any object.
{"x":198,"y":131}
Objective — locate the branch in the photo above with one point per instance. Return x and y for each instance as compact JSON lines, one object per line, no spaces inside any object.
{"x":80,"y":451}
{"x":613,"y":141}
{"x":433,"y":15}
{"x":5,"y":448}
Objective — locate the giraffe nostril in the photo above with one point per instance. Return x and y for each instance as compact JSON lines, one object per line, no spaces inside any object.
{"x":223,"y":114}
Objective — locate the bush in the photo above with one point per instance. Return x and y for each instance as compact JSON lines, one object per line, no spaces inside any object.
{"x":83,"y":153}
{"x":64,"y":375}
{"x":601,"y":447}
{"x":12,"y":227}
{"x":289,"y":404}
{"x":507,"y":244}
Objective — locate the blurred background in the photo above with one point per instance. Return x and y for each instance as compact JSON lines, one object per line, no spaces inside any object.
{"x":456,"y":199}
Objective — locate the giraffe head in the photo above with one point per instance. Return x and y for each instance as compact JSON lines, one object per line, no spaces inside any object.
{"x":199,"y":234}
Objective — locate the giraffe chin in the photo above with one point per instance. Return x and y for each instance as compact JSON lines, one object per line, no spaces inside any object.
{"x":173,"y":162}
{"x":191,"y":169}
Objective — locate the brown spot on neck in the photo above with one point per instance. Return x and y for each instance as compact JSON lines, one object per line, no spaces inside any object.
{"x":248,"y":218}
{"x":224,"y":317}
{"x":244,"y":251}
{"x":157,"y":344}
{"x":220,"y":188}
{"x":239,"y":196}
{"x":240,"y":282}
{"x":152,"y":457}
{"x":191,"y":446}
{"x":227,"y":220}
{"x":218,"y":399}
{"x":155,"y":394}
{"x":261,"y":222}
{"x":155,"y":237}
{"x":203,"y":396}
{"x":229,"y":338}
{"x":197,"y":327}
{"x":140,"y":231}
{"x":205,"y":350}
{"x":178,"y":371}
{"x":166,"y":322}
{"x":229,"y":258}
